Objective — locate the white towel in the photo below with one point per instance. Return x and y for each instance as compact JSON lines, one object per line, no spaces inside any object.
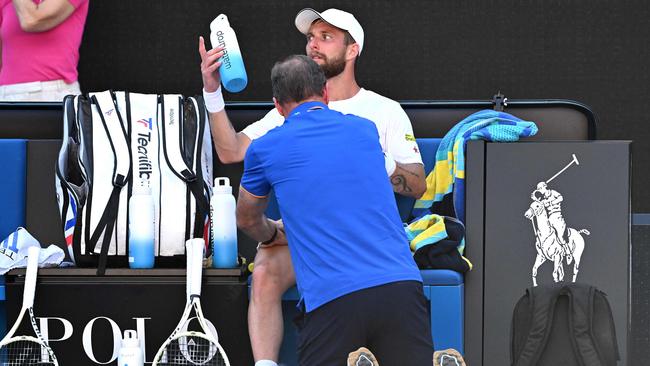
{"x":13,"y":252}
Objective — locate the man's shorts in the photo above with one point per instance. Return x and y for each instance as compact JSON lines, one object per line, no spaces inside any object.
{"x":391,"y":320}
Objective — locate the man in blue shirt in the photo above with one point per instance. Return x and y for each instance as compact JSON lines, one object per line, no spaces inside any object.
{"x":359,"y":283}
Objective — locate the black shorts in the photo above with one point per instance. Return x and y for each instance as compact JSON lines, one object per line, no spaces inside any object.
{"x":391,"y":320}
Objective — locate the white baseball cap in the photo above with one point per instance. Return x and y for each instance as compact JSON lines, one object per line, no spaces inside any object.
{"x":338,"y":18}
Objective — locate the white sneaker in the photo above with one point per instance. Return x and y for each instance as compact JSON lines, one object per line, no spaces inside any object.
{"x":362,"y":357}
{"x":448,"y":357}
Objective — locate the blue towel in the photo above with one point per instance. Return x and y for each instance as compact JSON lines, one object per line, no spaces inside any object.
{"x":448,"y":174}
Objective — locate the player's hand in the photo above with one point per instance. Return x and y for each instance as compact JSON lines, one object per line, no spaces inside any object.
{"x":210,"y":66}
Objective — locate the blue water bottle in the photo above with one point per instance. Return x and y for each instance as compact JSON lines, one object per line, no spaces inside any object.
{"x":141,"y":228}
{"x":223,"y":225}
{"x":232,"y":70}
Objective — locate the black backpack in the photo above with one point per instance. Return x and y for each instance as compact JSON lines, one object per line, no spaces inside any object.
{"x":563,"y":325}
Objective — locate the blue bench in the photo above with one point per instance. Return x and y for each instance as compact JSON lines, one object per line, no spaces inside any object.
{"x":443,"y":288}
{"x":13,"y":159}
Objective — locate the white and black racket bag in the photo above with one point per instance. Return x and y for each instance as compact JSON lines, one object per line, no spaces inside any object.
{"x":113,"y":140}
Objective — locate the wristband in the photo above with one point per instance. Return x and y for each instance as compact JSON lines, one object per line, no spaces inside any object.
{"x":275,"y":234}
{"x":214,"y":101}
{"x":389,"y":163}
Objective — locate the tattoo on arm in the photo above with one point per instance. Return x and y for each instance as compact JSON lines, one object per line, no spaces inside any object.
{"x":408,"y":180}
{"x":399,"y":183}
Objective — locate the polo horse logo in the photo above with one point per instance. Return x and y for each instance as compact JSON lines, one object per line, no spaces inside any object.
{"x":553,"y":240}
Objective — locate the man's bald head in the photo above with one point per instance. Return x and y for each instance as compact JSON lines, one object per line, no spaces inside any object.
{"x":296,"y":79}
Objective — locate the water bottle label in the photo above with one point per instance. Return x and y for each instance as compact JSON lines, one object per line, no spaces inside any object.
{"x":225,"y":59}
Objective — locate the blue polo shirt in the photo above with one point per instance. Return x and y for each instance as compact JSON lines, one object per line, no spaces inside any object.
{"x":336,"y":202}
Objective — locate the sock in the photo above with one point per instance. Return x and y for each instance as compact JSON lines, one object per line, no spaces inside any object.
{"x":265,"y":363}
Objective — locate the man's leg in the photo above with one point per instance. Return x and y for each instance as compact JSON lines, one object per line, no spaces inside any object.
{"x":272,"y":276}
{"x":330,"y":332}
{"x":400,"y":330}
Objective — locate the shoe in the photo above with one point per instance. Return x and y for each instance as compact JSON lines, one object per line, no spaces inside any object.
{"x":362,"y":357}
{"x":448,"y":357}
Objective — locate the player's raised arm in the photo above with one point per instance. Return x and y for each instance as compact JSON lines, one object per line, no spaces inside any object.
{"x":230,"y":145}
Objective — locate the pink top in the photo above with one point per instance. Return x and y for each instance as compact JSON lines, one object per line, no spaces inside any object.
{"x":40,"y":56}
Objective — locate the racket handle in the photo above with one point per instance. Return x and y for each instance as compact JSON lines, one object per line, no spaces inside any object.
{"x":30,"y":275}
{"x":195,"y":249}
{"x":188,"y":273}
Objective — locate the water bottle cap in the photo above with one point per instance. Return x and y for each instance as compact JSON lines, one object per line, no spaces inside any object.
{"x":130,"y":339}
{"x":222,"y":185}
{"x":220,"y":21}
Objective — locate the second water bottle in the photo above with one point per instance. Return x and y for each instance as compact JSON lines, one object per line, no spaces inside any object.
{"x":223,"y":225}
{"x":141,"y":228}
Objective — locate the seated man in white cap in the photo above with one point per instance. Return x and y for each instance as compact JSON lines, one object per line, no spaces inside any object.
{"x":334,"y":40}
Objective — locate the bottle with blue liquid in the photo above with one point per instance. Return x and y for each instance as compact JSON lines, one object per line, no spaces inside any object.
{"x":223,"y":225}
{"x":141,"y":227}
{"x":232,"y":70}
{"x":130,"y":353}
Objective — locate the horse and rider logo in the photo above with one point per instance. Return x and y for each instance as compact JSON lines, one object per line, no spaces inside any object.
{"x":554,"y":241}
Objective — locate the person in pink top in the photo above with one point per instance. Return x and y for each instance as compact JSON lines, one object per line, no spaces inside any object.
{"x":40,"y":48}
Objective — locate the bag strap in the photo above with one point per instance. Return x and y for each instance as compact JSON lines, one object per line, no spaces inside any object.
{"x":111,"y":121}
{"x":67,"y":196}
{"x":542,"y":308}
{"x":175,"y":133}
{"x":199,"y":188}
{"x":106,"y":225}
{"x":171,"y":122}
{"x":581,"y":309}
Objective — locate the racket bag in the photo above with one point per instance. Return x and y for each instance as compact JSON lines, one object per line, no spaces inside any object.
{"x":114,"y":140}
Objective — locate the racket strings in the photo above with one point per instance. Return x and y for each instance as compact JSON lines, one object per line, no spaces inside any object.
{"x":25,"y":352}
{"x":192,"y":350}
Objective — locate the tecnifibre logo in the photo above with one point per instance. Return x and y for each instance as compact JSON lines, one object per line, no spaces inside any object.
{"x":225,"y":59}
{"x":145,"y":122}
{"x":143,"y":140}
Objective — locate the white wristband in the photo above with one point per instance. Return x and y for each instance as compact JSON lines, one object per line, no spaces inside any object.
{"x":389,"y":163}
{"x":214,"y":101}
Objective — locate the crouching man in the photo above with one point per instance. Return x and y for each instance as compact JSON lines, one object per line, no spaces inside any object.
{"x":359,"y":283}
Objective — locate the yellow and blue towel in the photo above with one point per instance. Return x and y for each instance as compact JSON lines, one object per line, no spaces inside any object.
{"x":427,"y":230}
{"x":448,"y":175}
{"x":437,"y":242}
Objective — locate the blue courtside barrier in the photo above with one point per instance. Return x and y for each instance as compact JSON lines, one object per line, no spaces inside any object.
{"x":13,"y":160}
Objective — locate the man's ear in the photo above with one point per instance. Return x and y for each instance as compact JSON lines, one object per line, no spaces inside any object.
{"x":278,"y":106}
{"x":326,"y":97}
{"x":352,"y":51}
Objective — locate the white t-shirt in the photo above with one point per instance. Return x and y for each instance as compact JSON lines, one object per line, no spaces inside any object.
{"x":393,"y":125}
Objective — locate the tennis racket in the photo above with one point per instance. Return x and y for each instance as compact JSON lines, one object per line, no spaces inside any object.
{"x":185,"y":347}
{"x":24,"y":349}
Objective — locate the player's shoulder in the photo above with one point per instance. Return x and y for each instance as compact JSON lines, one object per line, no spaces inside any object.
{"x":381,"y":100}
{"x":274,"y":134}
{"x":272,"y":117}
